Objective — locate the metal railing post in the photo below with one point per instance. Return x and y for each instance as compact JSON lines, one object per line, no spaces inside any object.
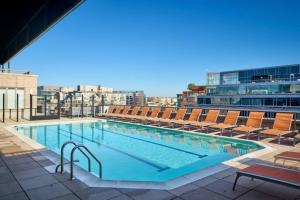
{"x":93,"y":105}
{"x":30,"y":111}
{"x":3,"y":107}
{"x":17,"y":107}
{"x":71,"y":106}
{"x":61,"y":165}
{"x":102,"y":104}
{"x":58,"y":105}
{"x":45,"y":104}
{"x":82,"y":105}
{"x":79,"y":146}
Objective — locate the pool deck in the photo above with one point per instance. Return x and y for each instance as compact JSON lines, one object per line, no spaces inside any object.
{"x":24,"y":175}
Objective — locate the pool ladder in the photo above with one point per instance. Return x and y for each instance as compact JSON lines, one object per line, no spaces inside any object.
{"x":84,"y":150}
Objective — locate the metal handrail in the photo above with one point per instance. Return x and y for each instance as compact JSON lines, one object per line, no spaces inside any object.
{"x":79,"y":146}
{"x":61,"y":165}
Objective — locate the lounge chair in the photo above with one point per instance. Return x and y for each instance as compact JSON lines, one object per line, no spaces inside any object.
{"x":134,"y":112}
{"x":194,"y":117}
{"x":115,"y":113}
{"x":210,"y":119}
{"x":143,"y":113}
{"x":253,"y":124}
{"x":123,"y":112}
{"x":281,"y":126}
{"x":229,"y":122}
{"x":179,"y":116}
{"x":274,"y":174}
{"x":287,"y":155}
{"x":109,"y":111}
{"x":166,"y":115}
{"x":154,"y":113}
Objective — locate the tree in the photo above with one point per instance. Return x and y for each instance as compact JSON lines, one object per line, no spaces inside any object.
{"x":190,"y":85}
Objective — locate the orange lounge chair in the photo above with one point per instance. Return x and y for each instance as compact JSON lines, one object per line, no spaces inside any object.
{"x":253,"y":124}
{"x":229,"y":122}
{"x":179,"y":116}
{"x":134,"y":112}
{"x":281,"y":126}
{"x":123,"y":112}
{"x":154,"y":113}
{"x":287,"y":155}
{"x":116,"y":112}
{"x":166,"y":115}
{"x":110,"y":110}
{"x":143,"y":113}
{"x":274,"y":174}
{"x":210,"y":119}
{"x":194,"y":117}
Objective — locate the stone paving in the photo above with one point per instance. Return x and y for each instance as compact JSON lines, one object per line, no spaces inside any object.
{"x":23,"y":176}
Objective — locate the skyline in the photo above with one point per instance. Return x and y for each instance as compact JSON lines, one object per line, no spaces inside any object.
{"x":159,"y":46}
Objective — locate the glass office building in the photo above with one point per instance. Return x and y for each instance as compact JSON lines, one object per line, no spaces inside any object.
{"x":269,"y":87}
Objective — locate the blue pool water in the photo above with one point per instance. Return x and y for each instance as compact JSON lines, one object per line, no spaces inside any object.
{"x":139,"y":153}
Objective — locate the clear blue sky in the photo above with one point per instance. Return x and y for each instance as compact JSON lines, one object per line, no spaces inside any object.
{"x":160,"y":46}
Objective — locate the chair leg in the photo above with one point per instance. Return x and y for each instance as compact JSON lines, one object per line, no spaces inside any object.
{"x":279,"y":139}
{"x":235,"y":181}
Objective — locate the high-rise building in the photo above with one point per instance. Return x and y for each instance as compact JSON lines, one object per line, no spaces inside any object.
{"x":270,"y":87}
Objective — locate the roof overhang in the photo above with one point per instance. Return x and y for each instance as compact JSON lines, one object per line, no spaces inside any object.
{"x":23,"y":21}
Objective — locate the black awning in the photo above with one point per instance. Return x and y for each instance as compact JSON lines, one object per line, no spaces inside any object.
{"x":22,"y":21}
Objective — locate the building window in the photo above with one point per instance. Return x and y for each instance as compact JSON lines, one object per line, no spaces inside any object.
{"x":213,"y":78}
{"x":21,"y":98}
{"x":230,"y":78}
{"x":11,"y":98}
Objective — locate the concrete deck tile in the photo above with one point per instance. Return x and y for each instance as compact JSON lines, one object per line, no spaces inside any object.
{"x":278,"y":190}
{"x":9,"y":188}
{"x":183,"y":189}
{"x":46,"y":163}
{"x":61,"y":177}
{"x":4,"y":169}
{"x":225,"y":173}
{"x":15,"y":160}
{"x":75,"y":185}
{"x":257,"y":196}
{"x":205,"y":181}
{"x":153,"y":194}
{"x":224,"y":188}
{"x":67,"y":197}
{"x":133,"y":192}
{"x":37,"y":181}
{"x":6,"y":177}
{"x":24,"y":166}
{"x":202,"y":194}
{"x":121,"y":197}
{"x":48,"y":192}
{"x":39,"y":158}
{"x":15,"y":196}
{"x":98,"y":193}
{"x":21,"y":175}
{"x":244,"y":181}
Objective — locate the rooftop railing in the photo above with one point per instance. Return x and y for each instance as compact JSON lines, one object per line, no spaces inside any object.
{"x":9,"y":71}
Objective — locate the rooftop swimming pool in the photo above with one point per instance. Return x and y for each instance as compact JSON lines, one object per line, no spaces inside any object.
{"x":134,"y":152}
